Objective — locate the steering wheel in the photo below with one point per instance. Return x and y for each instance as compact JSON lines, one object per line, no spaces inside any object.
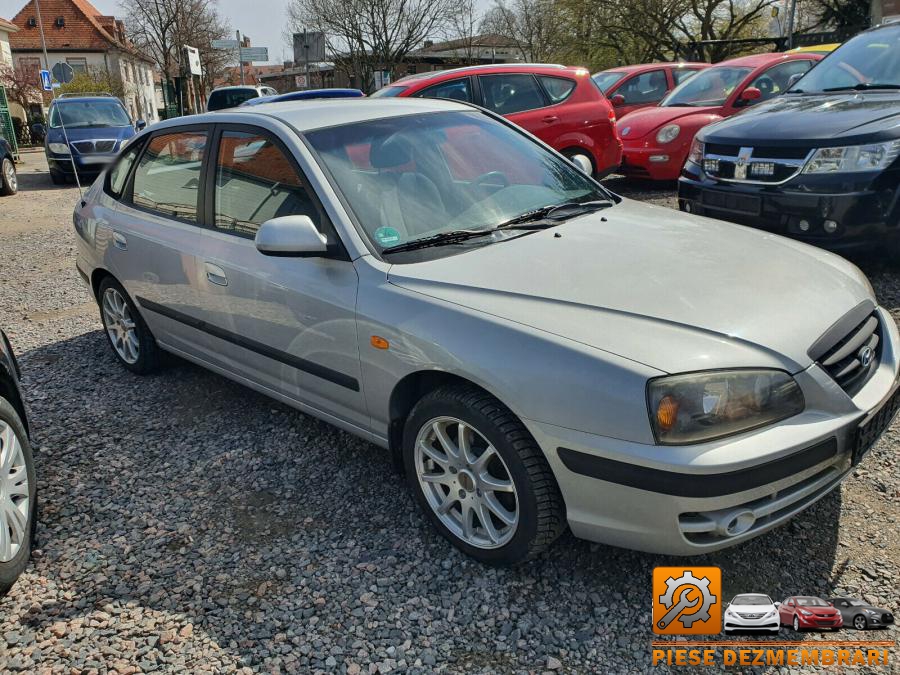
{"x":494,"y":177}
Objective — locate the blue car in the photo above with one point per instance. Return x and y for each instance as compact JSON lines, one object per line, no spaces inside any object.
{"x":305,"y":96}
{"x":87,"y":132}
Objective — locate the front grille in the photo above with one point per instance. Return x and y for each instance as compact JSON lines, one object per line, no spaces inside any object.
{"x":761,"y":164}
{"x":846,"y":360}
{"x":749,"y":616}
{"x":104,"y":146}
{"x":88,"y":147}
{"x":826,"y":622}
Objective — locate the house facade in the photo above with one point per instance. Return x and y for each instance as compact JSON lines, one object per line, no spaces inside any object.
{"x":78,"y":34}
{"x":6,"y":28}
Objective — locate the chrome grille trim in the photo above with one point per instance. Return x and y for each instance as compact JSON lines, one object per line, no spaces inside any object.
{"x":843,"y":361}
{"x":795,"y":166}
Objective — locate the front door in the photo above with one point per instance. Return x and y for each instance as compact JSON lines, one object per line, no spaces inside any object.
{"x":286,"y":323}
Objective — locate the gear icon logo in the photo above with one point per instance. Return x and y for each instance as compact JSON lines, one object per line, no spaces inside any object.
{"x":687,"y":600}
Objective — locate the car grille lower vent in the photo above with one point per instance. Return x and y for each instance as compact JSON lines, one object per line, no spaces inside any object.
{"x":87,"y":147}
{"x":854,"y":358}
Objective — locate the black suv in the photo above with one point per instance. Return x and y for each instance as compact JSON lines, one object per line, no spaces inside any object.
{"x":819,"y":163}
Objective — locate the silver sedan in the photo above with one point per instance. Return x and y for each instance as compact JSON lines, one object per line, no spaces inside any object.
{"x":536,"y":351}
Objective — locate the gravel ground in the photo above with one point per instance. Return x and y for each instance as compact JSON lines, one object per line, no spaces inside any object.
{"x":189,"y":523}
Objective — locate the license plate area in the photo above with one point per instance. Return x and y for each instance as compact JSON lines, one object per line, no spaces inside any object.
{"x":871,"y":428}
{"x":729,"y":201}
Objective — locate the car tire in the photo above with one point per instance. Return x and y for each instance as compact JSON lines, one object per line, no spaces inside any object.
{"x":582,"y":159}
{"x":14,"y":447}
{"x":860,"y":622}
{"x":125,"y":329}
{"x":9,"y":183}
{"x":497,"y":472}
{"x":796,"y":624}
{"x":57,"y":177}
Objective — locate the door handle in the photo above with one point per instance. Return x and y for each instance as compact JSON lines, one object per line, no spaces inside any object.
{"x":119,"y":241}
{"x":216,"y":275}
{"x":549,"y":119}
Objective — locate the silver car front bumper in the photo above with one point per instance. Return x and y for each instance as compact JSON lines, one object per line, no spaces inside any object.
{"x":689,"y":500}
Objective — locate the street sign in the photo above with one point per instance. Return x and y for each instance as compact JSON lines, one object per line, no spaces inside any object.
{"x":224,"y":44}
{"x":300,"y":81}
{"x":45,"y":80}
{"x":192,"y":59}
{"x":254,"y":54}
{"x":62,"y":72}
{"x":309,"y":47}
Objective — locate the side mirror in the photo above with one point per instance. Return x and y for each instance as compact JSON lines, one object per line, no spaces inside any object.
{"x":140,"y":125}
{"x":778,"y":604}
{"x":750,"y":94}
{"x":617,"y":100}
{"x":290,"y":236}
{"x":794,"y":79}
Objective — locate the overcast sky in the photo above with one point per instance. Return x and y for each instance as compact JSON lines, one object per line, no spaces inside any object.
{"x":262,"y":20}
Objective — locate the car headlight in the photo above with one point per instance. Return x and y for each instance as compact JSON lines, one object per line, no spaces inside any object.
{"x":697,"y":407}
{"x":872,"y":612}
{"x":853,"y":158}
{"x":668,"y":133}
{"x":696,"y":153}
{"x":771,"y":614}
{"x":806,"y":612}
{"x":58,"y":148}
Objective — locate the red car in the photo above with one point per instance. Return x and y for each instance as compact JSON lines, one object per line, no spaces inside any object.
{"x":657,"y":140}
{"x":802,"y":611}
{"x":561,"y":106}
{"x":631,"y":88}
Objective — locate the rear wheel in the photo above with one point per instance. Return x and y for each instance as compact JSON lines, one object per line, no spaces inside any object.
{"x":128,"y":335}
{"x":9,"y":183}
{"x":480,"y":477}
{"x":18,"y":497}
{"x":581,"y":159}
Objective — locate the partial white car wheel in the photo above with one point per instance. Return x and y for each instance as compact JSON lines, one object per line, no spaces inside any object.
{"x":18,"y":497}
{"x":480,"y":477}
{"x":9,"y":183}
{"x":128,"y":335}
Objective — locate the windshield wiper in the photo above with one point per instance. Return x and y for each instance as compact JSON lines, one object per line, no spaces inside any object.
{"x":547,"y":212}
{"x":439,"y":239}
{"x":864,"y":86}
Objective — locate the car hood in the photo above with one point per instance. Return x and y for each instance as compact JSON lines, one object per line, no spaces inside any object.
{"x":752,"y":609}
{"x":820,"y":611}
{"x":90,"y":134}
{"x":812,"y":119}
{"x":670,"y":290}
{"x":638,"y":124}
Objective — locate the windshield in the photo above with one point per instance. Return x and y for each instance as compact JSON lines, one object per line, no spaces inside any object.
{"x":75,"y":114}
{"x":865,"y":62}
{"x":414,"y":176}
{"x":711,"y":87}
{"x":607,"y":79}
{"x":751,"y":600}
{"x":811,"y":602}
{"x":389,"y":91}
{"x":229,"y":98}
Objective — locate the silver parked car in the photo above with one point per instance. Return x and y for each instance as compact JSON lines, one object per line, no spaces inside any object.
{"x":537,"y":351}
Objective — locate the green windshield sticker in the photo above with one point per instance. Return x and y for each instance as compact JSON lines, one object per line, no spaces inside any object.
{"x":387,"y":236}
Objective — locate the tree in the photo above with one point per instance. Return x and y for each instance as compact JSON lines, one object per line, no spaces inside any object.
{"x":96,"y":80}
{"x":532,"y":24}
{"x":22,"y":84}
{"x":462,"y":26}
{"x":369,"y":35}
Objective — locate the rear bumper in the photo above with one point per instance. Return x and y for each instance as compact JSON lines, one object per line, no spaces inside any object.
{"x":690,"y":500}
{"x":865,"y":216}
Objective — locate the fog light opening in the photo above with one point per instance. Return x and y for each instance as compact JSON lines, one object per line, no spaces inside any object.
{"x":803,"y":225}
{"x":736,"y":523}
{"x":659,"y":158}
{"x":830,"y":226}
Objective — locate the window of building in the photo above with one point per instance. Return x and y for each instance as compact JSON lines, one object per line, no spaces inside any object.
{"x":79,"y":65}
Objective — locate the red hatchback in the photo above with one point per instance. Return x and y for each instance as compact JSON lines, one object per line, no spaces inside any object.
{"x":809,"y":612}
{"x":631,"y":88}
{"x":561,"y":106}
{"x":657,"y":140}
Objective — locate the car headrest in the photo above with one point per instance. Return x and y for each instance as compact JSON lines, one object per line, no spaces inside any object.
{"x":395,"y":150}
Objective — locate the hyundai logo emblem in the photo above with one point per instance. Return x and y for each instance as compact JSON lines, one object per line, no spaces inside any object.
{"x":865,"y":356}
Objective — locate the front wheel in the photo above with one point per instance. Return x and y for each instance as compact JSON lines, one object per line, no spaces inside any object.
{"x":9,"y":183}
{"x":480,"y":477}
{"x":128,"y":335}
{"x":18,"y":497}
{"x":859,"y":622}
{"x":796,"y":624}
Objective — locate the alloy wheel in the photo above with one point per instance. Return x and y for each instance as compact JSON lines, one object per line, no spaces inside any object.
{"x":9,"y":173}
{"x":859,"y":623}
{"x":796,"y":624}
{"x":466,"y":483}
{"x":15,"y":500}
{"x":120,"y":326}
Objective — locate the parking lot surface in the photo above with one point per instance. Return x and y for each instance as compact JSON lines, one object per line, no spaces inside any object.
{"x":188,"y":523}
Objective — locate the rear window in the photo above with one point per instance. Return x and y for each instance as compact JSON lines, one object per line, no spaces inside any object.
{"x":229,"y":98}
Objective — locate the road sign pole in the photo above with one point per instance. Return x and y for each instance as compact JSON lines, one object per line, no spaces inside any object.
{"x":237,"y":34}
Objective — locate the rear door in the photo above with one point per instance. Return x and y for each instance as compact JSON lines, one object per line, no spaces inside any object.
{"x":155,"y":237}
{"x":287,"y":324}
{"x":519,"y":98}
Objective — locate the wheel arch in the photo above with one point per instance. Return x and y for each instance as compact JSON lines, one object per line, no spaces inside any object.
{"x":97,"y":277}
{"x":9,"y":392}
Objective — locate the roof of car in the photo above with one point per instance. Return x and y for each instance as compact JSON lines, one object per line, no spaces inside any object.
{"x":238,"y":86}
{"x":637,"y":67}
{"x":756,"y":60}
{"x":77,"y":99}
{"x":327,"y":112}
{"x":489,"y":67}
